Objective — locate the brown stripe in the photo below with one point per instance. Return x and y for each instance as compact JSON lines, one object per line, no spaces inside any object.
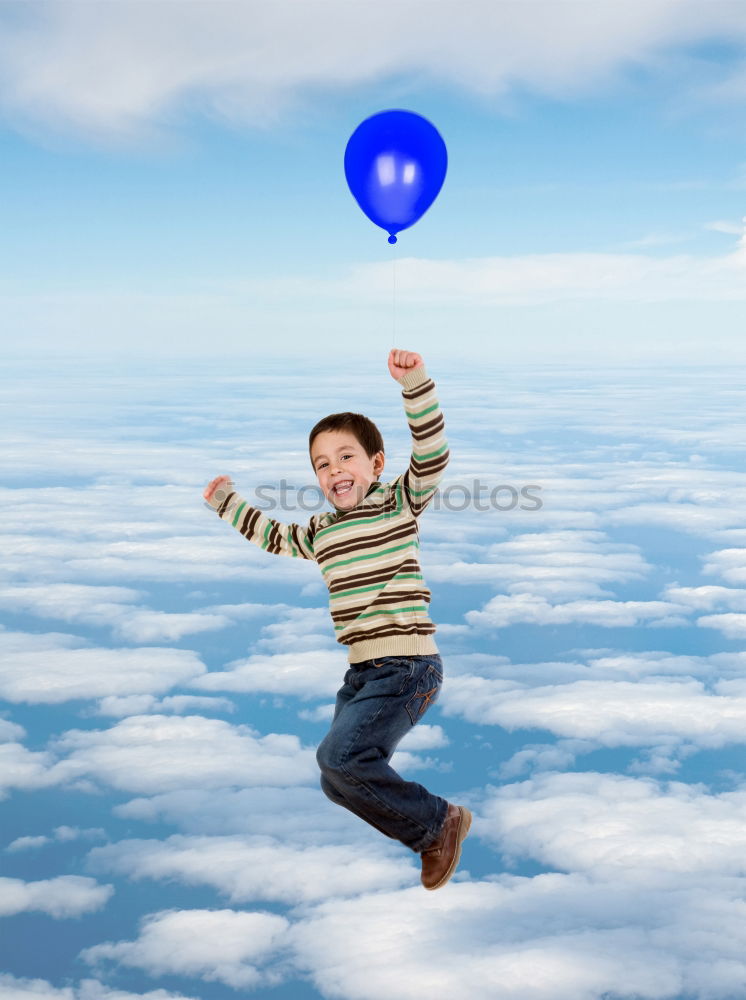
{"x":224,"y":504}
{"x":249,"y":524}
{"x":422,"y":628}
{"x":431,"y":465}
{"x":389,"y":504}
{"x":350,"y":614}
{"x":274,"y":541}
{"x":384,"y":597}
{"x":420,"y":431}
{"x":362,"y":543}
{"x":363,"y":579}
{"x":295,"y":534}
{"x":421,"y":390}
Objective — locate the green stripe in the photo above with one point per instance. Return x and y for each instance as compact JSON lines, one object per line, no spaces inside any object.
{"x":362,"y":520}
{"x":416,"y":416}
{"x":238,"y":513}
{"x":267,"y":530}
{"x":372,"y":555}
{"x":430,"y":454}
{"x":357,"y":590}
{"x":373,"y":614}
{"x":376,"y":586}
{"x":419,"y":493}
{"x":388,"y":516}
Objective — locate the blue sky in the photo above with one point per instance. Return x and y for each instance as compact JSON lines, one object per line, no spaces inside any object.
{"x":173,"y":173}
{"x":186,"y":287}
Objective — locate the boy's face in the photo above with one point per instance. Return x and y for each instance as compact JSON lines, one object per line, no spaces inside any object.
{"x":344,"y":471}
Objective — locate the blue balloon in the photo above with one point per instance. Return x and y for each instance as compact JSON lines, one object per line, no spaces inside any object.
{"x":395,"y":165}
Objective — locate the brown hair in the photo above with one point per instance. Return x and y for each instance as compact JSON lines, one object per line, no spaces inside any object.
{"x":364,"y":430}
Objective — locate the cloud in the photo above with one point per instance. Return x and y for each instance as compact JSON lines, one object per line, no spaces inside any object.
{"x":106,"y":606}
{"x":730,"y":564}
{"x":215,"y":945}
{"x":139,"y":704}
{"x":725,"y":226}
{"x":192,"y":752}
{"x":121,"y":69}
{"x":539,"y":278}
{"x":550,"y":937}
{"x":549,"y":562}
{"x":503,"y":610}
{"x":545,"y":757}
{"x":10,"y":731}
{"x":314,"y":673}
{"x":28,"y":843}
{"x":146,"y":548}
{"x":20,"y":767}
{"x":13,"y":988}
{"x":54,"y":668}
{"x":321,"y":713}
{"x":732,"y":626}
{"x":608,"y":826}
{"x":62,"y":834}
{"x":305,"y":815}
{"x":707,"y":597}
{"x":425,"y":737}
{"x":64,"y":896}
{"x":245,"y":869}
{"x":660,"y":712}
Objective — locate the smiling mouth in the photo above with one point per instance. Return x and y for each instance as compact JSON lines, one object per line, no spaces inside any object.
{"x":343,"y":488}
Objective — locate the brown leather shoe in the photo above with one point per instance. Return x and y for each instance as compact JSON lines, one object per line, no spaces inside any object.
{"x":439,"y":861}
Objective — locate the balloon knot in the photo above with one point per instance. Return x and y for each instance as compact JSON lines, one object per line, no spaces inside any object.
{"x":392,"y":239}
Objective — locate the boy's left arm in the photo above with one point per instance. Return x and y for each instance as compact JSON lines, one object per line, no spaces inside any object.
{"x":430,"y":452}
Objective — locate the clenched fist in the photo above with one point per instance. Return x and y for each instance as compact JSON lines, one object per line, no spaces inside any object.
{"x":401,"y":362}
{"x":218,"y":481}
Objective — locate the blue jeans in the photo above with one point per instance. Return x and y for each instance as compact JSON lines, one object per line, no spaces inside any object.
{"x":378,"y":703}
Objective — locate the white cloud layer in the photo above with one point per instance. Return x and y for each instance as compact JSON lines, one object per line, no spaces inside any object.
{"x":648,"y":888}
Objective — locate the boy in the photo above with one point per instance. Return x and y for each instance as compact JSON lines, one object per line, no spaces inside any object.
{"x":368,"y":554}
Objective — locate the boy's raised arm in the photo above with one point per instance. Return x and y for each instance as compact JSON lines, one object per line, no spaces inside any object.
{"x":272,"y":536}
{"x":429,"y":445}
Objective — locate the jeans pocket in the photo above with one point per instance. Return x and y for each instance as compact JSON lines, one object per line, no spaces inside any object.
{"x":426,"y":693}
{"x":399,"y":662}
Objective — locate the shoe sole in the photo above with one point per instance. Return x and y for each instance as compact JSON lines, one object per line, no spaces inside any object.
{"x":463,"y":829}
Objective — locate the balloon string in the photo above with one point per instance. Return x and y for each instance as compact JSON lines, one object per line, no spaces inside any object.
{"x":393,"y":310}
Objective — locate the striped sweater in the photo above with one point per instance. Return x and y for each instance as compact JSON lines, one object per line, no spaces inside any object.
{"x":369,"y":555}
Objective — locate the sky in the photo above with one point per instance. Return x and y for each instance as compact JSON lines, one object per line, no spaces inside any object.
{"x":173,"y":179}
{"x":186,"y":287}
